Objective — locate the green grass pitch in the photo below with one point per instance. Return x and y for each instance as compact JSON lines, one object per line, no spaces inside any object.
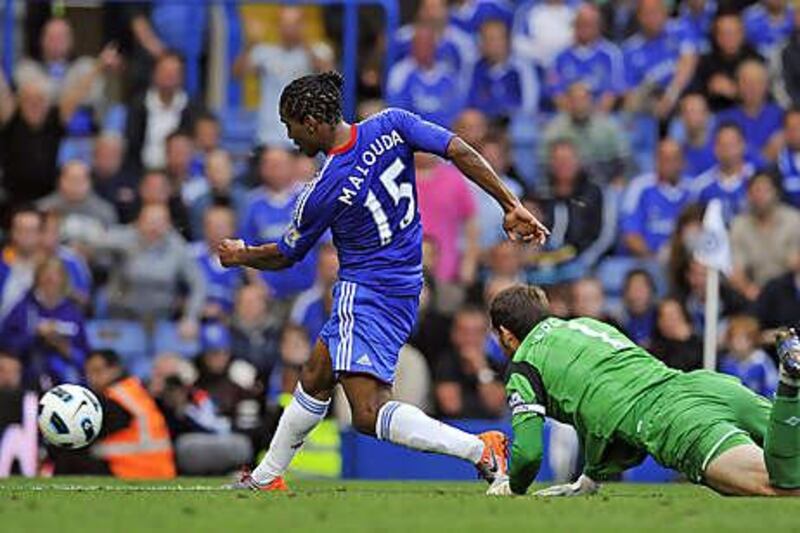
{"x":188,"y":505}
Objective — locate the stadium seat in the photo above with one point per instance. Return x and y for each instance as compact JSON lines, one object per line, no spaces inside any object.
{"x":167,"y":339}
{"x":238,"y":130}
{"x":126,"y":337}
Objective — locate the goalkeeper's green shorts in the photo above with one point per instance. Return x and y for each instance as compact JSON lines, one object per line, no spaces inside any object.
{"x":692,"y":419}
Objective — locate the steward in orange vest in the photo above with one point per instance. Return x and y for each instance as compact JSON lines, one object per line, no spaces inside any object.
{"x":134,"y":441}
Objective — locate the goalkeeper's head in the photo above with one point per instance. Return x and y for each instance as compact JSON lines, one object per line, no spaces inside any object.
{"x":515,"y":312}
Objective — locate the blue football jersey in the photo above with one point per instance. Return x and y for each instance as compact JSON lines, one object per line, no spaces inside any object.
{"x":654,"y":60}
{"x":599,"y":65}
{"x":789,"y":166}
{"x":650,"y":209}
{"x":732,"y":192}
{"x":366,"y":194}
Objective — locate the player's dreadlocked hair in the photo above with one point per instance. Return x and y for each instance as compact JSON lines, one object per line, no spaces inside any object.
{"x":315,"y":95}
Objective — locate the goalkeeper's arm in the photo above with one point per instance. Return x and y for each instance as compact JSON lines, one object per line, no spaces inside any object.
{"x":526,"y":452}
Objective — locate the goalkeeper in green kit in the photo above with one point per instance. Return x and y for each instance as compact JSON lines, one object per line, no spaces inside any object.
{"x":625,"y":404}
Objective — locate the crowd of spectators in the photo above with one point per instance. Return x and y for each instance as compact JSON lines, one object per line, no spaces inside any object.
{"x":616,"y":122}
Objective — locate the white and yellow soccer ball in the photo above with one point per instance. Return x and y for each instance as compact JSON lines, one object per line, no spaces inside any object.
{"x":70,"y":416}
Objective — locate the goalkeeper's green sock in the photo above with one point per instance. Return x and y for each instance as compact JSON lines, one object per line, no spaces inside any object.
{"x":782,"y":443}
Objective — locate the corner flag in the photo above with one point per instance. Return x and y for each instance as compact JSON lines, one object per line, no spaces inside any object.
{"x":713,"y":250}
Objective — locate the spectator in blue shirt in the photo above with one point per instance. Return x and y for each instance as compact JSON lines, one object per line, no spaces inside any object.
{"x":219,"y":222}
{"x":727,"y":180}
{"x":206,"y":132}
{"x":470,"y":15}
{"x":455,"y":46}
{"x":759,"y":119}
{"x":313,"y":307}
{"x":659,"y":60}
{"x":46,"y":330}
{"x":789,"y":158}
{"x":496,"y":151}
{"x":698,"y":16}
{"x":652,"y":203}
{"x":501,"y":85}
{"x":19,"y":256}
{"x":182,"y":27}
{"x":638,"y":316}
{"x":424,"y":85}
{"x":745,"y":360}
{"x":694,"y":129}
{"x":591,"y":60}
{"x":267,"y":215}
{"x":768,"y":24}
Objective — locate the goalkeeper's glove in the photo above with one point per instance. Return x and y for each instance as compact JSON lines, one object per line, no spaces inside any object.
{"x":500,"y":487}
{"x":584,"y":485}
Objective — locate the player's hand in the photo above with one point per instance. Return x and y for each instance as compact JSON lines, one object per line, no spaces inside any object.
{"x":230,"y":252}
{"x":521,"y":225}
{"x":583,"y":486}
{"x":500,"y":487}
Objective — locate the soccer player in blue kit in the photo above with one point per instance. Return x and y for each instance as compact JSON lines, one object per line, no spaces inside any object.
{"x":366,"y":195}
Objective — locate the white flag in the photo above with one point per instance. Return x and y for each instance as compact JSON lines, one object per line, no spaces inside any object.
{"x":712,"y":248}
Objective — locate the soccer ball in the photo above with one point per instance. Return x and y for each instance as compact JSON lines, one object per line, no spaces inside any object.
{"x":70,"y":416}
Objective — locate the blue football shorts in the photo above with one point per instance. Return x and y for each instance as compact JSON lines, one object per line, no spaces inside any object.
{"x":366,"y":330}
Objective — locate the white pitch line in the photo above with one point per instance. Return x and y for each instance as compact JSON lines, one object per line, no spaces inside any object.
{"x":110,"y":488}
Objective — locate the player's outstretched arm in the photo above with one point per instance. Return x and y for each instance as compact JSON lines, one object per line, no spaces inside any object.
{"x":234,"y":252}
{"x":519,"y":223}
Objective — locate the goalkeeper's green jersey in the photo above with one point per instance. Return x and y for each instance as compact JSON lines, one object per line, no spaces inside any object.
{"x":584,"y":373}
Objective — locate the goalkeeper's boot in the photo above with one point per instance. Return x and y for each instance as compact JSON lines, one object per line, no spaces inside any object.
{"x":246,"y":482}
{"x":788,"y":348}
{"x":494,"y":461}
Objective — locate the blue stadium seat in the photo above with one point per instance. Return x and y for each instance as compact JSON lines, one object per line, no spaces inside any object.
{"x":167,"y":339}
{"x":238,"y":130}
{"x":126,"y":337}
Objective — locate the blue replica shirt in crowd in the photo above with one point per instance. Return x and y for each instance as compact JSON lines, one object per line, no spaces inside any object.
{"x":698,"y":159}
{"x":221,"y":282}
{"x":731,"y":192}
{"x":764,"y":32}
{"x":366,"y":194}
{"x":639,"y":328}
{"x":757,"y":372}
{"x":455,"y":49}
{"x":309,"y":311}
{"x":758,"y":129}
{"x":503,"y":90}
{"x":265,"y":220}
{"x":470,"y":15}
{"x":599,"y":65}
{"x":80,"y":277}
{"x":789,"y":166}
{"x":44,"y":365}
{"x":653,"y":61}
{"x":699,"y":24}
{"x":433,"y":94}
{"x":650,"y":209}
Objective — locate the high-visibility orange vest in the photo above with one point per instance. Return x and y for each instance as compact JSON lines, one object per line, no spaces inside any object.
{"x":143,"y":449}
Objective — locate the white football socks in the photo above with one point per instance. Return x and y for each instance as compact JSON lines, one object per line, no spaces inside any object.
{"x":405,"y":424}
{"x":298,"y":419}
